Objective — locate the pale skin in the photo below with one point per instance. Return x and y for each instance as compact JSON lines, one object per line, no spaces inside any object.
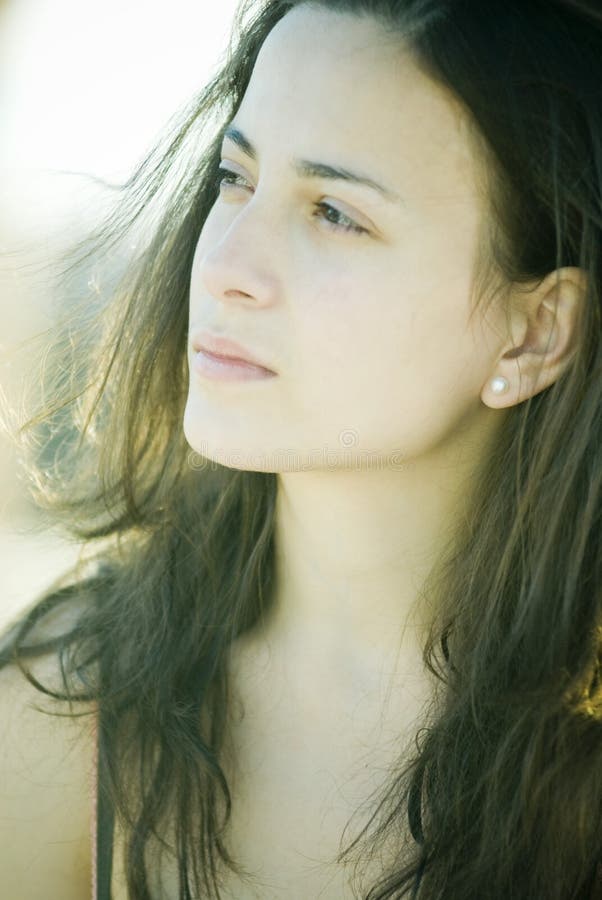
{"x":369,"y":335}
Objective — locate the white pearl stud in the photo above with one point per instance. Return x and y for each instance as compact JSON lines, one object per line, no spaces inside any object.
{"x":499,"y":385}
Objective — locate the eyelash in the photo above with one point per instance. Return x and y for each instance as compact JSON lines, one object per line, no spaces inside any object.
{"x":351,"y":227}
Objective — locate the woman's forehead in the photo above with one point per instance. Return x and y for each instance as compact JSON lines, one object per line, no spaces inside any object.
{"x":350,"y":93}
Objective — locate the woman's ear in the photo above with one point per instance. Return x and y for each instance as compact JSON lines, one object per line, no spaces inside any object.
{"x":542,"y":341}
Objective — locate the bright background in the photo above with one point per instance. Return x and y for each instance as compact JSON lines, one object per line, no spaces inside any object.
{"x":84,"y":88}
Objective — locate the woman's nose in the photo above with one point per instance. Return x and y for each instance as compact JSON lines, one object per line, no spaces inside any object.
{"x":240,"y":263}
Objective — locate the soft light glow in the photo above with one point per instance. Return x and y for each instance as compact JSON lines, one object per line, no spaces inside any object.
{"x":87,"y":85}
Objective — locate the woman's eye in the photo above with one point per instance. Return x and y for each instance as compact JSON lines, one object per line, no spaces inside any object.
{"x":329,"y":210}
{"x":227,"y":174}
{"x":229,"y":179}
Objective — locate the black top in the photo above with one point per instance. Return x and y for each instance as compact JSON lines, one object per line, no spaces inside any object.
{"x":105,"y":827}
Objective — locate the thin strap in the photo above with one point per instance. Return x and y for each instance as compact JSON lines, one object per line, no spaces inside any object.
{"x":93,"y":794}
{"x":597,"y":884}
{"x":102,"y":823}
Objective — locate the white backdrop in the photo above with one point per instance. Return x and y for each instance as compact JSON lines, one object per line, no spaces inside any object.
{"x":85,"y":86}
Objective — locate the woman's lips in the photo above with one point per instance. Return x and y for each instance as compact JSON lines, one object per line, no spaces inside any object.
{"x":223,"y":347}
{"x":223,"y":368}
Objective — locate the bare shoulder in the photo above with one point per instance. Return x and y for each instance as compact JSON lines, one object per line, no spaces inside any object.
{"x":46,"y":770}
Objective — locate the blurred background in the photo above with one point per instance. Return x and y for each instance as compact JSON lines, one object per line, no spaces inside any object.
{"x":84,"y":90}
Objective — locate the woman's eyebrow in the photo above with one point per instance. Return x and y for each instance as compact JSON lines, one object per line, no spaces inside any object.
{"x":306,"y":168}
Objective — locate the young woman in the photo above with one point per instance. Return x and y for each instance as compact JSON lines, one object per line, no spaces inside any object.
{"x":343,"y":637}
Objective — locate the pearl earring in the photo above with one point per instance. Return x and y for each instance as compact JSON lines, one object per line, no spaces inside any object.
{"x":499,"y":385}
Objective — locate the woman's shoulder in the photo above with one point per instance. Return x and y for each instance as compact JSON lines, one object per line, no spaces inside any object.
{"x":47,"y":760}
{"x":47,"y":764}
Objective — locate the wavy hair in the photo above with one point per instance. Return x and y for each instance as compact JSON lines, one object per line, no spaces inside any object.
{"x":503,"y":792}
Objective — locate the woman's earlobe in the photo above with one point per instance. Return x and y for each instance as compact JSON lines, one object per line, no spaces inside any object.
{"x":547,"y":334}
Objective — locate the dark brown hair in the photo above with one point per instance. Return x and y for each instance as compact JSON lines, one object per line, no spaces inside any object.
{"x":504,"y":792}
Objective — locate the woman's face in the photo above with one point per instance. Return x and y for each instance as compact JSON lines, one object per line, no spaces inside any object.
{"x":368,"y":331}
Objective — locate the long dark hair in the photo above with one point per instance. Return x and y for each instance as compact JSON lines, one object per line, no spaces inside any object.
{"x":503,"y":794}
